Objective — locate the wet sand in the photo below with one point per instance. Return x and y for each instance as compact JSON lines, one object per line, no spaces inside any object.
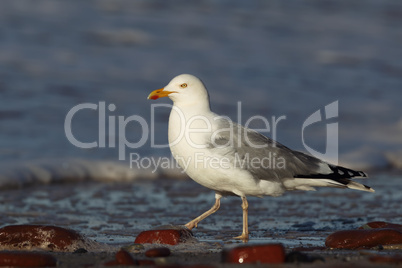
{"x":113,"y":214}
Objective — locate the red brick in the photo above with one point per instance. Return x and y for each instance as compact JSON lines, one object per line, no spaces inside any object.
{"x":163,"y":236}
{"x":124,"y":258}
{"x":267,"y":253}
{"x":158,"y":252}
{"x":27,"y":259}
{"x":38,"y":236}
{"x":354,"y":239}
{"x":395,"y":259}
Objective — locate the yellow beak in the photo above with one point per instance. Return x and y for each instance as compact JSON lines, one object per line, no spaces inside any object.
{"x":159,"y":93}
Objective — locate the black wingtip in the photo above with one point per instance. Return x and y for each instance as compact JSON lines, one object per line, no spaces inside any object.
{"x":343,"y":172}
{"x":338,"y":173}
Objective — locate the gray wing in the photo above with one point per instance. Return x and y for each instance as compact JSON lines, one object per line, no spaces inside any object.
{"x":240,"y":145}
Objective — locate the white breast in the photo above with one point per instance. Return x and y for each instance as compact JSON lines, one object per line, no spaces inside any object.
{"x":189,"y":138}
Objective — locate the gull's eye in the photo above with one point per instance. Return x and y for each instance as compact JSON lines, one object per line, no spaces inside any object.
{"x":184,"y":85}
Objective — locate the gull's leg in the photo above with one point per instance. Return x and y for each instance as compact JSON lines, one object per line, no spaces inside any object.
{"x":190,"y":225}
{"x":244,"y":206}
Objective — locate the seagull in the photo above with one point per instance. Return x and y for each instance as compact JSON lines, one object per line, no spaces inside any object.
{"x":234,"y":160}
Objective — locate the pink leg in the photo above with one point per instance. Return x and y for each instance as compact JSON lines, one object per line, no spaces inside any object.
{"x":190,"y":225}
{"x":244,"y":236}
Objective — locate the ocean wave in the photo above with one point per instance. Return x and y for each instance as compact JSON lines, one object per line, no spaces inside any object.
{"x":47,"y":171}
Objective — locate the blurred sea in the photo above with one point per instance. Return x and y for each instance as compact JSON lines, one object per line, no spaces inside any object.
{"x":278,"y":58}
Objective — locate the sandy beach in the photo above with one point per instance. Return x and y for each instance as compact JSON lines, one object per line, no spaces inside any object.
{"x":113,"y":214}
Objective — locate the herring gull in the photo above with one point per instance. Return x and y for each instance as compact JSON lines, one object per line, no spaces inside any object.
{"x":233,"y":160}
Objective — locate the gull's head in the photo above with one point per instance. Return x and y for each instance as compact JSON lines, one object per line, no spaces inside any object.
{"x":184,"y":88}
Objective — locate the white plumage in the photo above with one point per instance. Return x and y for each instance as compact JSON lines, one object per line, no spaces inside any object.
{"x":232,"y":160}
